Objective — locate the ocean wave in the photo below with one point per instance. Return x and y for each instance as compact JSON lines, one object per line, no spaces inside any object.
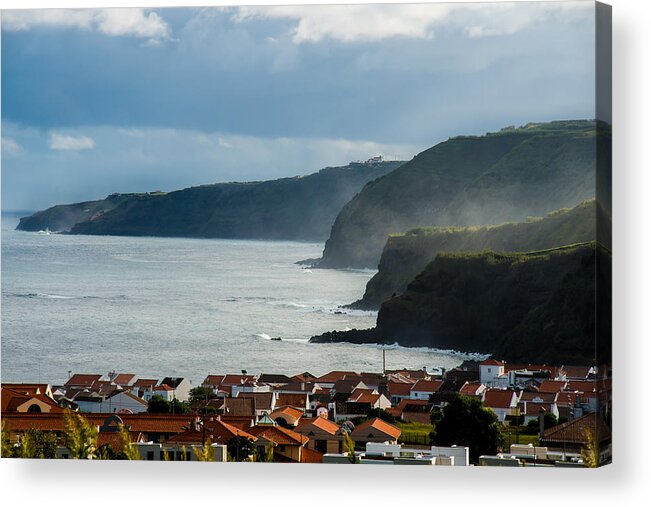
{"x":265,"y":336}
{"x":328,"y":308}
{"x":474,"y":356}
{"x":43,"y":295}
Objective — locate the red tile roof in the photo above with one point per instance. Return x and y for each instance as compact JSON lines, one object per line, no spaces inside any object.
{"x":427,"y":386}
{"x":584,"y":386}
{"x":333,"y":376}
{"x":497,"y":398}
{"x":290,"y":414}
{"x":213,"y":380}
{"x":492,"y":362}
{"x":470,"y":388}
{"x":575,"y":431}
{"x":551,"y":386}
{"x":292,"y":399}
{"x":123,"y":379}
{"x":311,"y":456}
{"x":81,"y":379}
{"x":11,"y":400}
{"x":398,"y":388}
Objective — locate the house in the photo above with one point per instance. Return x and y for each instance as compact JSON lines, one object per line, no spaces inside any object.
{"x":423,"y":389}
{"x":30,"y":389}
{"x":325,"y":435}
{"x":414,"y":411}
{"x":142,"y":384}
{"x":500,"y":401}
{"x":180,"y":385}
{"x":572,"y":436}
{"x":375,"y":430}
{"x":163,"y":390}
{"x":82,"y":381}
{"x":238,"y":407}
{"x":119,"y":402}
{"x":154,"y":427}
{"x":275,"y":380}
{"x":287,"y":416}
{"x":250,"y":386}
{"x":27,"y":401}
{"x":263,"y":402}
{"x":552,"y":386}
{"x":491,"y":373}
{"x":472,"y":389}
{"x":123,"y":380}
{"x":398,"y":391}
{"x":288,"y":446}
{"x":328,"y":380}
{"x":531,"y":410}
{"x":299,"y":401}
{"x":213,"y":382}
{"x":578,"y":372}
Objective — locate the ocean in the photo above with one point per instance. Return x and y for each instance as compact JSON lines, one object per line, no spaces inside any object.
{"x":178,"y":307}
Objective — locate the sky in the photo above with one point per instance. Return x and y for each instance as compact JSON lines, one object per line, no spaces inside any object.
{"x":96,"y":101}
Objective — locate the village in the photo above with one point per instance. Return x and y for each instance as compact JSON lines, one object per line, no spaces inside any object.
{"x":541,"y":415}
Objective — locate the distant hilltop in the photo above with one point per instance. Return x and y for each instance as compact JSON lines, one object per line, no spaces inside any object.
{"x":298,"y":208}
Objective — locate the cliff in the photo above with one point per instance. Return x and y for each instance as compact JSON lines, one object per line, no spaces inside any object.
{"x":405,"y":255}
{"x":500,"y":177}
{"x":529,"y":307}
{"x":298,"y":208}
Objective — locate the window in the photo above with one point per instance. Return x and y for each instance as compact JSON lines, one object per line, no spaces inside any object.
{"x":489,"y":370}
{"x":282,"y":448}
{"x":34,"y":408}
{"x":150,"y":455}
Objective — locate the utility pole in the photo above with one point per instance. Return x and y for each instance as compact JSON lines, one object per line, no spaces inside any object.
{"x":384,"y":360}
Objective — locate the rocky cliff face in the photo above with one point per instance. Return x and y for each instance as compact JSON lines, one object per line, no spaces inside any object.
{"x":537,"y":307}
{"x":301,"y":208}
{"x":63,"y":217}
{"x":491,"y":179}
{"x":406,"y":255}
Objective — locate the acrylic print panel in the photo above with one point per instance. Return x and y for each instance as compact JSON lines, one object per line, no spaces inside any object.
{"x":308,"y":234}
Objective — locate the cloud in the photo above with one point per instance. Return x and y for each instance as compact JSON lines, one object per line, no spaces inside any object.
{"x":352,"y":22}
{"x":114,"y":22}
{"x":165,"y":158}
{"x":10,"y":147}
{"x":70,"y":143}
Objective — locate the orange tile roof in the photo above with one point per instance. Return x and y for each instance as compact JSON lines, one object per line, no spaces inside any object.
{"x":279,"y":435}
{"x":470,"y":388}
{"x":26,"y":388}
{"x":311,"y":456}
{"x":322,"y":423}
{"x":379,"y":425}
{"x":292,"y":412}
{"x":123,"y":378}
{"x":11,"y":400}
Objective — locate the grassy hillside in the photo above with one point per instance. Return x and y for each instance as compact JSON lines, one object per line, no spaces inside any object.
{"x":406,"y":255}
{"x":500,"y":177}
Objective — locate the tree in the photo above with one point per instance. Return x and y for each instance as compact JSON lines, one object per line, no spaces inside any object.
{"x":158,"y":405}
{"x":79,"y":436}
{"x":206,"y":452}
{"x":466,"y":422}
{"x":349,"y":447}
{"x":240,"y":448}
{"x":37,"y":444}
{"x":590,"y":450}
{"x":266,"y":453}
{"x":129,"y":449}
{"x":382,"y":414}
{"x":7,"y":448}
{"x":199,"y":393}
{"x":179,"y":407}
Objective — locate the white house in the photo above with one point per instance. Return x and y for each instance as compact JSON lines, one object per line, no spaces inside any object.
{"x":120,"y":403}
{"x":491,"y":373}
{"x":180,"y":385}
{"x":500,"y":401}
{"x":423,"y":389}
